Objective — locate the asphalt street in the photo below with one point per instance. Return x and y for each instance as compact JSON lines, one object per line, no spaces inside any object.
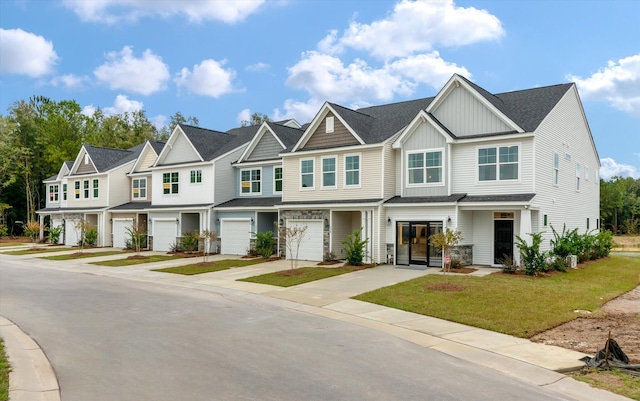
{"x":114,"y":339}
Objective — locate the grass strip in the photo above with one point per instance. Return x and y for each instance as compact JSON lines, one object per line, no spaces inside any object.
{"x":80,"y":255}
{"x":611,"y":380}
{"x":5,"y":368}
{"x":35,"y":250}
{"x":289,"y":278}
{"x":11,"y":243}
{"x":129,"y":262}
{"x":517,"y":305}
{"x":208,"y":267}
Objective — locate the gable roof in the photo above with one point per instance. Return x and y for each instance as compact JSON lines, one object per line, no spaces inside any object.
{"x":287,"y":135}
{"x":105,"y":159}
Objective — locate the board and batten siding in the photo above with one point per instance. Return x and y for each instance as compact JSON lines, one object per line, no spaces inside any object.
{"x":463,"y":114}
{"x":180,"y":151}
{"x":340,"y":136}
{"x":464,"y":174}
{"x":391,"y":175}
{"x":425,"y":137}
{"x":267,"y":148}
{"x":370,"y":177}
{"x":564,"y":131}
{"x":225,"y":177}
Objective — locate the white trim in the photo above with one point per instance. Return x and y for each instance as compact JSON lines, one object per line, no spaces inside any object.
{"x":251,"y":181}
{"x":335,"y":172}
{"x":274,"y":191}
{"x":145,"y":188}
{"x":317,"y":152}
{"x":419,"y":119}
{"x":169,"y":145}
{"x":196,"y":176}
{"x":424,"y":168}
{"x":497,"y":164}
{"x":315,"y":123}
{"x":344,"y":162}
{"x":313,"y":174}
{"x":264,"y":128}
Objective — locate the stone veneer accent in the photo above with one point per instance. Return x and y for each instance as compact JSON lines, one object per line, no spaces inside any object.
{"x":317,"y":214}
{"x":464,"y":253}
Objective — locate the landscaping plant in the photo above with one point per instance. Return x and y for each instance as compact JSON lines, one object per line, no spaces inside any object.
{"x":446,"y":240}
{"x":137,"y":237}
{"x":209,"y":237}
{"x":354,"y":248}
{"x":190,"y":241}
{"x":532,"y":259}
{"x":292,"y":237}
{"x":54,"y":234}
{"x":31,"y":230}
{"x":91,"y":237}
{"x":265,"y":244}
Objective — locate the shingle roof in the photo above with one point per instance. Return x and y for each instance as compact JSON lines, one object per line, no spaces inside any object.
{"x":105,"y":159}
{"x":157,"y":146}
{"x":251,"y":202}
{"x":288,"y":135}
{"x":132,"y":206}
{"x":322,"y":202}
{"x":498,"y":198}
{"x":426,"y":199}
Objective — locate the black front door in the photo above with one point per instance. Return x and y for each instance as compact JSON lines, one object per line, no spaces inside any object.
{"x":502,"y":240}
{"x":413,"y":244}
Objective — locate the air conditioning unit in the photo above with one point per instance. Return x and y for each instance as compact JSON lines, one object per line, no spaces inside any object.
{"x":572,"y":261}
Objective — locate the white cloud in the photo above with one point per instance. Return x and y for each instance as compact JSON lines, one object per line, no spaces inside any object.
{"x":113,"y":11}
{"x":301,"y":111}
{"x":429,"y":69}
{"x":124,"y":71}
{"x":89,"y":110}
{"x":416,"y":26}
{"x":208,"y":78}
{"x":159,"y":121}
{"x":121,"y":104}
{"x":618,"y":83}
{"x":257,"y":67}
{"x":25,"y":53}
{"x":609,"y":168}
{"x":70,"y":81}
{"x":244,"y":115}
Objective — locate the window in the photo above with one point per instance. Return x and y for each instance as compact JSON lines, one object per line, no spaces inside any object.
{"x":250,"y":181}
{"x":586,"y":173}
{"x":598,"y":223}
{"x":96,"y":191}
{"x":53,"y":193}
{"x":498,"y":164}
{"x":76,"y":186}
{"x":170,"y":183}
{"x":64,"y":192}
{"x":329,"y":125}
{"x":196,"y":176}
{"x":587,"y":223}
{"x":424,"y":167}
{"x":577,"y":176}
{"x":556,"y":168}
{"x":352,"y":170}
{"x":545,"y":220}
{"x":85,"y":189}
{"x":139,"y":188}
{"x":306,"y":173}
{"x":277,"y":179}
{"x":328,"y":172}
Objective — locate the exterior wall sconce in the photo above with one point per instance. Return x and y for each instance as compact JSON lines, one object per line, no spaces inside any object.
{"x":252,"y":220}
{"x":218,"y":221}
{"x":448,"y":219}
{"x":388,"y":220}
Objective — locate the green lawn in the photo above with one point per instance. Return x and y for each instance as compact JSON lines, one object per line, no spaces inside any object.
{"x":611,"y":380}
{"x":288,"y":278}
{"x":5,"y":368}
{"x":11,"y":243}
{"x":129,"y":262}
{"x":36,"y":250}
{"x":81,"y":255}
{"x":518,"y":305}
{"x":198,"y":268}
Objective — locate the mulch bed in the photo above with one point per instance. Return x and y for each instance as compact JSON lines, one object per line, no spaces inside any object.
{"x":329,"y":262}
{"x":463,"y":270}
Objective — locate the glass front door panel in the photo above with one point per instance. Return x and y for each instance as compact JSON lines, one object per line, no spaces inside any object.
{"x":419,"y":239}
{"x":402,"y":253}
{"x":435,"y":254}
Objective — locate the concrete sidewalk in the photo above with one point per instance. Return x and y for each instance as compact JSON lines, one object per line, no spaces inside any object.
{"x":520,"y":358}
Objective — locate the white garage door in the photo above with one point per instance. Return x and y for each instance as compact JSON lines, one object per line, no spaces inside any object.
{"x":235,"y":236}
{"x":71,"y":235}
{"x":120,"y":233}
{"x":164,"y":234}
{"x":311,"y":246}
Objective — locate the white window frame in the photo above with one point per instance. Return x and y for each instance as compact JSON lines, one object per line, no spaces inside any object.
{"x":359,"y":170}
{"x":251,"y":181}
{"x":330,"y":124}
{"x":64,"y":191}
{"x":275,"y":180}
{"x":195,"y":176}
{"x":424,"y":182}
{"x":334,"y":172}
{"x":54,"y":192}
{"x":312,"y":174}
{"x":586,"y":173}
{"x":577,"y":177}
{"x":171,"y":183}
{"x":86,"y":189}
{"x":77,"y":189}
{"x":133,"y":188}
{"x":497,"y":163}
{"x":95,"y":185}
{"x":556,"y":169}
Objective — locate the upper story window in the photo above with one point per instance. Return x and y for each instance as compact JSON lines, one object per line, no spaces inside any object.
{"x":139,"y":188}
{"x":352,"y":170}
{"x":64,"y":192}
{"x":76,"y":186}
{"x":330,"y":125}
{"x":96,"y":190}
{"x":250,"y":181}
{"x":424,"y":167}
{"x":586,"y":173}
{"x":53,"y":193}
{"x":329,"y":172}
{"x":170,"y":183}
{"x":577,"y":176}
{"x":85,"y":189}
{"x":556,"y":168}
{"x":306,"y":173}
{"x":196,"y":176}
{"x":498,"y":163}
{"x":277,"y":179}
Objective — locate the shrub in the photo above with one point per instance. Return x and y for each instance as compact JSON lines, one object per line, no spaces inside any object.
{"x":54,"y":234}
{"x":508,"y":265}
{"x":455,"y":262}
{"x":354,"y":248}
{"x":253,"y":252}
{"x":531,"y":258}
{"x":557,"y":263}
{"x":265,"y":244}
{"x":328,"y":256}
{"x":3,"y":231}
{"x":603,"y":244}
{"x":91,"y":237}
{"x":568,"y":243}
{"x":190,"y":241}
{"x":31,"y":230}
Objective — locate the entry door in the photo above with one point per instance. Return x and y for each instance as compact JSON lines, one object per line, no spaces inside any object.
{"x":503,"y":240}
{"x":413,"y":246}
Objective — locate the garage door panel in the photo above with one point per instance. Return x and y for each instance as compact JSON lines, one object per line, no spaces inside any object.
{"x":164,"y":234}
{"x":312,"y":244}
{"x":71,"y":236}
{"x":120,"y":233}
{"x":235,"y":236}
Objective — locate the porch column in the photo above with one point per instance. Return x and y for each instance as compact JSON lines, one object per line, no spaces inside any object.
{"x":41,"y":218}
{"x":525,"y":225}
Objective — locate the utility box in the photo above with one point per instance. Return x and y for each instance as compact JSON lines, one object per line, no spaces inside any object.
{"x":572,"y":261}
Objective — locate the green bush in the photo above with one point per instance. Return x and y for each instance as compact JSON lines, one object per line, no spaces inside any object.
{"x":565,"y":244}
{"x":3,"y":231}
{"x":354,"y":248}
{"x":91,"y":237}
{"x":557,"y":263}
{"x":189,"y":241}
{"x":265,"y":244}
{"x":533,"y":261}
{"x":54,"y":234}
{"x":603,"y":243}
{"x":31,"y":230}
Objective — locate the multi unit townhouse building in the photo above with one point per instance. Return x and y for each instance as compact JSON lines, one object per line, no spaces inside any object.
{"x":493,"y":166}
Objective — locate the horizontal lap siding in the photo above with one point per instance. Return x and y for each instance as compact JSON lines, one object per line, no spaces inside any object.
{"x":340,"y":136}
{"x":181,"y":151}
{"x":266,"y":148}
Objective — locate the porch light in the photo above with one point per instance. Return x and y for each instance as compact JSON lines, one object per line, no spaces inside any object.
{"x":389,"y":220}
{"x":252,"y":220}
{"x":448,"y":219}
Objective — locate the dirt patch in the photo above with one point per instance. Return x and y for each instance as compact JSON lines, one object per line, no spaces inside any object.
{"x":329,"y":262}
{"x":588,"y":334}
{"x":448,"y":287}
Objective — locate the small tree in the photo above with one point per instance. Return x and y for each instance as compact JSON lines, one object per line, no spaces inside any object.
{"x":31,"y":230}
{"x":293,"y":236}
{"x":137,"y":235}
{"x":209,"y":237}
{"x":354,"y":248}
{"x":446,"y":240}
{"x":81,"y":227}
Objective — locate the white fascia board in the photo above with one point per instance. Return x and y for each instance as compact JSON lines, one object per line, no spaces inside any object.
{"x":147,"y":146}
{"x":493,"y":138}
{"x":420,"y":118}
{"x":180,"y":165}
{"x":169,"y":145}
{"x":229,"y":152}
{"x":315,"y":123}
{"x":264,"y":129}
{"x":351,"y":148}
{"x":332,"y":206}
{"x":274,"y":162}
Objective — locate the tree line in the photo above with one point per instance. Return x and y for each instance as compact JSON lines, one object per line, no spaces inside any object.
{"x":620,"y":205}
{"x":39,"y":134}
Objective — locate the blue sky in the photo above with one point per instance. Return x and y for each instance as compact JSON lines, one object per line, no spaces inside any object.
{"x":219,"y":61}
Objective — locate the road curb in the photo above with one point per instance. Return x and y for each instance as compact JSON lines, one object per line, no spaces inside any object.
{"x":32,"y":378}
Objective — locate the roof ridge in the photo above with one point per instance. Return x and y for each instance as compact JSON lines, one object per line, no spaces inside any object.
{"x":400,"y":102}
{"x":536,"y":88}
{"x":352,"y":110}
